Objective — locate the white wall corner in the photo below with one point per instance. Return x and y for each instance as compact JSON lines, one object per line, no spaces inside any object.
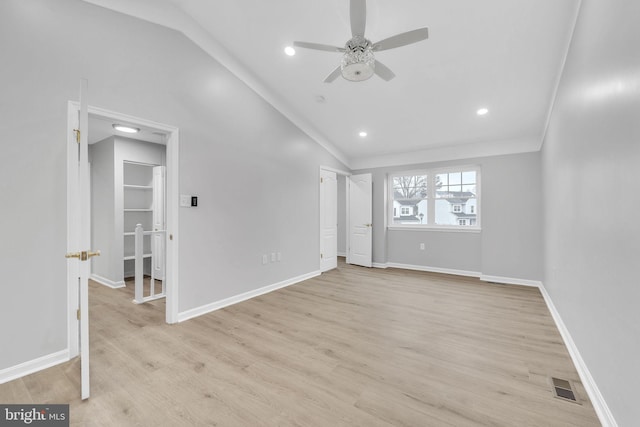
{"x":106,"y":282}
{"x":597,"y":400}
{"x":510,"y":281}
{"x":35,"y":365}
{"x":208,"y":308}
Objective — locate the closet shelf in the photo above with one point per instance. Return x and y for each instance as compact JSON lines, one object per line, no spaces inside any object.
{"x":138,"y":187}
{"x":132,"y":257}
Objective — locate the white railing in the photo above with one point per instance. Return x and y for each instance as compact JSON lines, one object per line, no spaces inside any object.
{"x":139,"y":268}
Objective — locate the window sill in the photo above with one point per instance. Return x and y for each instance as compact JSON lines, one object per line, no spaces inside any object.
{"x":432,"y":228}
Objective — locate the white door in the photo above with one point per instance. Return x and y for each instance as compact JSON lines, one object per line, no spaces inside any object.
{"x":328,"y":220}
{"x":360,"y":224}
{"x":158,"y":240}
{"x":79,"y":231}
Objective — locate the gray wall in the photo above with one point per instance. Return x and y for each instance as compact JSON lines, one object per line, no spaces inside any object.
{"x":101,"y":156}
{"x":510,"y":243}
{"x":590,"y":161}
{"x":229,"y":135}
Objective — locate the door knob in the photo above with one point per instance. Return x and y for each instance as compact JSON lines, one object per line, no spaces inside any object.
{"x":82,"y":256}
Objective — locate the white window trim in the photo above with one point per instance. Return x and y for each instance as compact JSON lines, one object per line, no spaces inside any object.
{"x":431,"y":209}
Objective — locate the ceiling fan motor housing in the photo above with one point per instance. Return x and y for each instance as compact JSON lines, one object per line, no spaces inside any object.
{"x":358,"y":62}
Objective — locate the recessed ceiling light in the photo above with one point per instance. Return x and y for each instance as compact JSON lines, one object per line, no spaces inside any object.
{"x":289,"y":51}
{"x":362,"y":134}
{"x":482,"y":111}
{"x":126,"y":129}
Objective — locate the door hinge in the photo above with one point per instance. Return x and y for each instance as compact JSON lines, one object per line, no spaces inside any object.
{"x":321,"y":256}
{"x":321,"y":180}
{"x":78,"y":314}
{"x":77,"y":131}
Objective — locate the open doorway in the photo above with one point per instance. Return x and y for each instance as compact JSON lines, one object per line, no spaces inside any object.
{"x":333,"y":216}
{"x":162,"y":141}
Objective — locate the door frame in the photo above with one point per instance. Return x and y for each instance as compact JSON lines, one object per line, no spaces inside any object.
{"x":337,"y":172}
{"x":172,"y":219}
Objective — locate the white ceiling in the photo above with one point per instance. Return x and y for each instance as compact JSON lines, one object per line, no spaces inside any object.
{"x":506,"y":55}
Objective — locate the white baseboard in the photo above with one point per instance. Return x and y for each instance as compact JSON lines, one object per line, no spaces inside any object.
{"x":106,"y":282}
{"x":35,"y":365}
{"x":510,"y":281}
{"x":207,"y":308}
{"x":379,"y":264}
{"x":342,"y":254}
{"x":434,"y":269}
{"x":599,"y":404}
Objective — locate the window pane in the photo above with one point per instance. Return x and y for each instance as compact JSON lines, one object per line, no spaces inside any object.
{"x":409,"y":199}
{"x":469,"y":177}
{"x":455,"y":178}
{"x":456,"y":194}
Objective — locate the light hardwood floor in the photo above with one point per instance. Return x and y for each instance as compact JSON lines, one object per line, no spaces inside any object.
{"x":354,"y":346}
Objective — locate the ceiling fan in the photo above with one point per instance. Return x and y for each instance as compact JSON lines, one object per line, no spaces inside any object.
{"x":358,"y":62}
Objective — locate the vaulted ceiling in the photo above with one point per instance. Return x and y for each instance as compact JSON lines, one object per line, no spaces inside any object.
{"x":503,"y":55}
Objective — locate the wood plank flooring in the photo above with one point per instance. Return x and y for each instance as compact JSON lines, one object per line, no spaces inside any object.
{"x":352,"y":347}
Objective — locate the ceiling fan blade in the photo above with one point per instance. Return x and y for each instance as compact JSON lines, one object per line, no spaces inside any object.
{"x":383,"y":71}
{"x":402,"y":39}
{"x":334,"y":75}
{"x":318,"y":46}
{"x":358,"y":14}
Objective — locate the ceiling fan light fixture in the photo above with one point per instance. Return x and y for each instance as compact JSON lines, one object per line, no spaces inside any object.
{"x":358,"y":62}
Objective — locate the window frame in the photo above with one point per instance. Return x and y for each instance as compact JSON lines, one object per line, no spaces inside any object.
{"x":430,"y":225}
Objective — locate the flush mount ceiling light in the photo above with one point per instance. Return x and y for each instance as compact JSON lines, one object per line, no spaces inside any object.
{"x":289,"y":51}
{"x":126,"y":129}
{"x":362,"y":134}
{"x":482,"y":111}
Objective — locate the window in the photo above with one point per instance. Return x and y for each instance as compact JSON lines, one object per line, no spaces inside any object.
{"x":409,"y":194}
{"x":443,"y":198}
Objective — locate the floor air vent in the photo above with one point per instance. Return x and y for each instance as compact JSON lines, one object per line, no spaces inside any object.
{"x":562,"y":389}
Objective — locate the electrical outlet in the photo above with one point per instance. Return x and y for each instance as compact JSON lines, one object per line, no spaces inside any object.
{"x":279,"y":256}
{"x":273,"y":257}
{"x":264,"y":259}
{"x":422,"y":246}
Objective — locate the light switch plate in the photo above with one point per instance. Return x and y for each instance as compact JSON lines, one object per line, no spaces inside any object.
{"x":185,"y":200}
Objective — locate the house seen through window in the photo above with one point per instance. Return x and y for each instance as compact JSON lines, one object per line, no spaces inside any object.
{"x":439,"y":198}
